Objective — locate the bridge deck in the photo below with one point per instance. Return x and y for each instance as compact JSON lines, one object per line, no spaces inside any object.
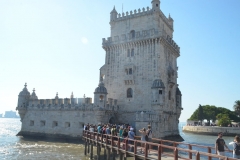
{"x":142,"y":150}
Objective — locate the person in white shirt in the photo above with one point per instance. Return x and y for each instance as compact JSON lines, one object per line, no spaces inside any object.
{"x":91,"y":129}
{"x":236,"y":147}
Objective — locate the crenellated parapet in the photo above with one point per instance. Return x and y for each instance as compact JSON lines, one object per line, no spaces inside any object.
{"x":69,"y":104}
{"x":141,"y":12}
{"x":133,"y":14}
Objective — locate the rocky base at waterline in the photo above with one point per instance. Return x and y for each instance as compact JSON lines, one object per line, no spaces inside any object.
{"x":212,"y":130}
{"x":47,"y":136}
{"x":177,"y":138}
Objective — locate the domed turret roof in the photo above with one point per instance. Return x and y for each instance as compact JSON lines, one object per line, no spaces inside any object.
{"x":24,"y":92}
{"x":101,"y":88}
{"x":114,"y":10}
{"x":178,"y":92}
{"x":158,"y":84}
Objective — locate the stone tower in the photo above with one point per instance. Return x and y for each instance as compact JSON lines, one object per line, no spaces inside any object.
{"x":23,"y":101}
{"x":141,"y":71}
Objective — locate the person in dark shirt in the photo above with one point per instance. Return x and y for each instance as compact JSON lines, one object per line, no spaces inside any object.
{"x":219,"y":146}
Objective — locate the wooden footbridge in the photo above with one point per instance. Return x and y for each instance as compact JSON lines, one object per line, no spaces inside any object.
{"x":114,"y":146}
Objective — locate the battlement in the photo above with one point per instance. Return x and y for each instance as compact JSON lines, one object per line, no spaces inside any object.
{"x":135,"y":13}
{"x":68,"y":104}
{"x":142,"y":12}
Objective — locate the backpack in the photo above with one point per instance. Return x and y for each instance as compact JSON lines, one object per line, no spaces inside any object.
{"x":146,"y":137}
{"x":237,"y":149}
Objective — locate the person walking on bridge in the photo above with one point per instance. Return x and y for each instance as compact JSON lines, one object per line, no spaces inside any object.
{"x":219,"y":145}
{"x":236,"y":147}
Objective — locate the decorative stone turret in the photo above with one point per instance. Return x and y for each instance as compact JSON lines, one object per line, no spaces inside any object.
{"x":170,"y":20}
{"x":156,"y":5}
{"x":158,"y":92}
{"x":100,"y":95}
{"x":178,"y":99}
{"x":73,"y":100}
{"x":33,"y":95}
{"x":113,"y":14}
{"x":23,"y":97}
{"x":23,"y":101}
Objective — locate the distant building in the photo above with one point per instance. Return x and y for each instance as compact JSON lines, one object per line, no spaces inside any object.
{"x":0,"y":115}
{"x":10,"y":114}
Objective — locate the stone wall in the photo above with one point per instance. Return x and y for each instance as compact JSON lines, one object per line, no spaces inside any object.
{"x":212,"y":130}
{"x":55,"y":122}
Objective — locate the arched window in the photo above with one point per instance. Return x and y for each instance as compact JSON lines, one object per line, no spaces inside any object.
{"x":130,"y":71}
{"x":132,"y":52}
{"x":101,"y":97}
{"x":129,"y":93}
{"x":132,"y":34}
{"x":169,"y":95}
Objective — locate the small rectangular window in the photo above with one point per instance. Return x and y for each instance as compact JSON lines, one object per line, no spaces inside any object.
{"x":132,"y":52}
{"x":157,"y":5}
{"x":130,"y":70}
{"x":55,"y":124}
{"x":160,"y":91}
{"x":81,"y":125}
{"x":42,"y":123}
{"x":67,"y":124}
{"x":31,"y":123}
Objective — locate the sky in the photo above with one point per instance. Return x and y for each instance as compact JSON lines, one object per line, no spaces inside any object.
{"x":55,"y":46}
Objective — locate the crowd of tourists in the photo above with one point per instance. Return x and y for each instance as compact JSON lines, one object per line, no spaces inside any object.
{"x":122,"y":130}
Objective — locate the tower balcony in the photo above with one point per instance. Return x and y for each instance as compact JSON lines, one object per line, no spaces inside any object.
{"x":129,"y":80}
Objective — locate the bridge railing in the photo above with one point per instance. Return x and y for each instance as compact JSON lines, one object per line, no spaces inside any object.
{"x":157,"y":148}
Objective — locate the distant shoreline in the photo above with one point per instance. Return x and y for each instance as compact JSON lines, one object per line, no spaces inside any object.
{"x":212,"y":130}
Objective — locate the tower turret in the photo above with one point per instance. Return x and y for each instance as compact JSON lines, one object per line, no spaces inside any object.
{"x":100,"y":95}
{"x":156,"y":5}
{"x":170,"y":20}
{"x":33,"y":95}
{"x":23,"y":97}
{"x":23,"y":102}
{"x":158,"y":91}
{"x":113,"y":14}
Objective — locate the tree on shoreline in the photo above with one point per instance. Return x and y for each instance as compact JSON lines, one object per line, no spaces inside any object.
{"x":200,"y":113}
{"x":236,"y":107}
{"x":223,"y":120}
{"x":210,"y":113}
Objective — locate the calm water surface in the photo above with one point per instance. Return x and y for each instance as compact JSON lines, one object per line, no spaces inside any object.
{"x":13,"y":147}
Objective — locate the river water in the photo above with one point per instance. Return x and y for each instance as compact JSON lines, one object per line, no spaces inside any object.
{"x":17,"y":148}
